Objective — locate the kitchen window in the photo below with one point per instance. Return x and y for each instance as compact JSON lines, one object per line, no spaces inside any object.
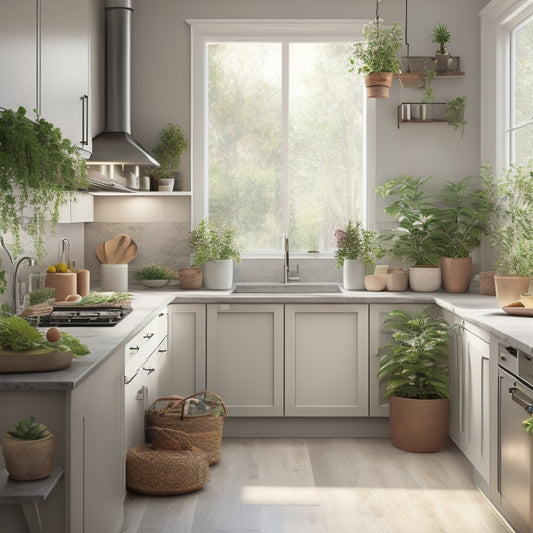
{"x":279,"y":139}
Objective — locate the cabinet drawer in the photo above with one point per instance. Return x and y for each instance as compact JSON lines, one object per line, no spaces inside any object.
{"x":144,"y":343}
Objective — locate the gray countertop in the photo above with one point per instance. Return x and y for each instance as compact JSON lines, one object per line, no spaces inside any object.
{"x":479,"y":310}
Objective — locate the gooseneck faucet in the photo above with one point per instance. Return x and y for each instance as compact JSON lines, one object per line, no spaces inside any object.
{"x":14,"y":274}
{"x":288,"y":274}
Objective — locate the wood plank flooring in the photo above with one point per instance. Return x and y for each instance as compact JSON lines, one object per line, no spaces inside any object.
{"x":335,"y":485}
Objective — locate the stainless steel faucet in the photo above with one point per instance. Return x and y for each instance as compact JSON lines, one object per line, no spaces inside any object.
{"x":14,"y":274}
{"x":288,"y":274}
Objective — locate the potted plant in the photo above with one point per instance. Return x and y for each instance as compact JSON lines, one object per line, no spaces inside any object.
{"x":511,"y":231}
{"x":154,"y":275}
{"x":357,"y":250}
{"x":415,"y":365}
{"x":455,"y":113}
{"x":168,"y":151}
{"x":377,"y":57}
{"x":462,"y":219}
{"x":28,"y":450}
{"x":441,"y":36}
{"x":413,"y":239}
{"x":39,"y":170}
{"x":214,"y":248}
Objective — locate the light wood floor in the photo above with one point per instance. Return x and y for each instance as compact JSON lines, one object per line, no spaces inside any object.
{"x":322,"y":486}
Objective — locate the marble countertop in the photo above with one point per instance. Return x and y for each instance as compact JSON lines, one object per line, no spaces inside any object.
{"x":479,"y":310}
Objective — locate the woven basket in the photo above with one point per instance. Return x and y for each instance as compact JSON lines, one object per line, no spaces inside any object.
{"x":203,"y":430}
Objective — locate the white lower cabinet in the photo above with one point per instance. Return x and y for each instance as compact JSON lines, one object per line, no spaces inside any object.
{"x":326,"y":363}
{"x":245,"y":357}
{"x":378,"y":314}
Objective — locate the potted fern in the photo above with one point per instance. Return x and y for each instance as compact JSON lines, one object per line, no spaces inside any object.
{"x":28,"y":450}
{"x":377,"y":57}
{"x":415,"y":365}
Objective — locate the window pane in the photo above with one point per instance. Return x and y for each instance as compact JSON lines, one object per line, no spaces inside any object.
{"x":523,"y":143}
{"x":244,"y":140}
{"x":325,"y":144}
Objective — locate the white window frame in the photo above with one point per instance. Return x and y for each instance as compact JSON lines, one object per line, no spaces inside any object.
{"x":204,"y":31}
{"x":498,"y":19}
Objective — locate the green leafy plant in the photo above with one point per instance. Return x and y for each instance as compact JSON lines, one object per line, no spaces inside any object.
{"x":429,"y":74}
{"x":463,"y":218}
{"x":168,"y":151}
{"x":69,"y":342}
{"x":94,"y":298}
{"x":455,"y":113}
{"x":355,"y":242}
{"x":511,"y":231}
{"x":153,"y":271}
{"x":29,"y":430}
{"x":39,"y":296}
{"x":379,"y":51}
{"x":441,"y":36}
{"x":413,"y":239}
{"x":39,"y":170}
{"x":528,"y":425}
{"x":415,"y":361}
{"x":210,"y":242}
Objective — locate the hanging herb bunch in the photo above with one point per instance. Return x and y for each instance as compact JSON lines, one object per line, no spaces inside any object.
{"x":39,"y":171}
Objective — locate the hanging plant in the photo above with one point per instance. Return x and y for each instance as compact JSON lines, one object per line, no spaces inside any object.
{"x":39,"y":171}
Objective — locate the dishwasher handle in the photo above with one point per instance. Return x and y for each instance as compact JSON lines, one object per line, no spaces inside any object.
{"x":521,"y":399}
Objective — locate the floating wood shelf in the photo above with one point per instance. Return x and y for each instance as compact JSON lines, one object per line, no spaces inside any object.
{"x":417,"y":79}
{"x":422,"y":113}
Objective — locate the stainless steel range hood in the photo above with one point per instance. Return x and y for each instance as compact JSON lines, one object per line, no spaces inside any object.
{"x":115,"y":145}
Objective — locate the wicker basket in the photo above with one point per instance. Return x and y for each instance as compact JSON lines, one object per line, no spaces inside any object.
{"x":203,"y":429}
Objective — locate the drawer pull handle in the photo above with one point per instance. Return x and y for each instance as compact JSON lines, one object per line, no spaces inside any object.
{"x":148,"y":336}
{"x":162,"y":351}
{"x":149,"y":370}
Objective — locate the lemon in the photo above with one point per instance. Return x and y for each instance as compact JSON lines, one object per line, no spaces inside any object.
{"x":61,"y":267}
{"x":51,"y":269}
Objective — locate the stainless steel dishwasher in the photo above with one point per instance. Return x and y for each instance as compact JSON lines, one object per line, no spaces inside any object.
{"x":515,"y":375}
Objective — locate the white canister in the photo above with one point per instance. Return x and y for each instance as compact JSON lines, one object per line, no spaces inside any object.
{"x":115,"y":277}
{"x":353,"y":275}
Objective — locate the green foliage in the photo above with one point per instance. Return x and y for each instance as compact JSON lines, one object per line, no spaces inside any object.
{"x":355,"y":242}
{"x":29,"y":430}
{"x":441,"y":36}
{"x":455,"y":113}
{"x":3,"y":280}
{"x":429,"y":74}
{"x":413,"y":239}
{"x":69,"y":342}
{"x":17,"y":335}
{"x":153,"y":271}
{"x":511,"y":231}
{"x":415,"y":361}
{"x":463,"y":219}
{"x":39,"y":296}
{"x":528,"y":425}
{"x":172,"y":143}
{"x":94,"y":298}
{"x":379,"y":51}
{"x":210,"y":242}
{"x":38,"y":170}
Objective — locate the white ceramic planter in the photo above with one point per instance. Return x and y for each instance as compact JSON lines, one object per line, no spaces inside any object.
{"x":353,"y":275}
{"x":218,"y":275}
{"x":426,"y":278}
{"x":115,"y":277}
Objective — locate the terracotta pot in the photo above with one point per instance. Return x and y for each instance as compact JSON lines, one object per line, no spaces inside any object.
{"x":398,"y":281}
{"x":378,"y":84}
{"x":419,"y":425}
{"x":27,"y":460}
{"x":425,"y":278}
{"x":509,"y":288}
{"x":486,"y":283}
{"x":353,"y":274}
{"x":456,"y":273}
{"x":190,"y":278}
{"x":375,"y":282}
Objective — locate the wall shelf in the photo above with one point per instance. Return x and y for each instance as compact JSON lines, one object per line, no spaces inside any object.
{"x":422,"y":113}
{"x":141,"y":193}
{"x":417,"y":79}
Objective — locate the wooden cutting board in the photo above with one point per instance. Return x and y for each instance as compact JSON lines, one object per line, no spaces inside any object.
{"x":129,"y":253}
{"x":115,"y":247}
{"x":100,"y":253}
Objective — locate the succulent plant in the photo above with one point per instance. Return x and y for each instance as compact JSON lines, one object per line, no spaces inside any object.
{"x":29,"y":430}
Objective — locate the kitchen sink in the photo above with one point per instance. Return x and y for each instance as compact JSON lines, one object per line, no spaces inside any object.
{"x":288,"y":288}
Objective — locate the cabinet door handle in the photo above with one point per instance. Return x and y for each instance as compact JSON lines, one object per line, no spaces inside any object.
{"x":84,"y":120}
{"x":162,"y":351}
{"x":134,"y":349}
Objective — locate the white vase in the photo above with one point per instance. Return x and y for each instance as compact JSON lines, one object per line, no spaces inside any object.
{"x":353,"y":275}
{"x":425,"y":278}
{"x":115,"y":277}
{"x":218,"y":274}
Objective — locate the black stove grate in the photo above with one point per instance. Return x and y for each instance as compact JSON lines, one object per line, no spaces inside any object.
{"x":86,"y":317}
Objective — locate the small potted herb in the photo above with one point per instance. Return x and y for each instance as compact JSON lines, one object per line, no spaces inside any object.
{"x":168,"y":151}
{"x":154,"y":275}
{"x":441,"y":36}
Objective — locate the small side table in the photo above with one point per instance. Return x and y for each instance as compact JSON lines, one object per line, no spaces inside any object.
{"x":28,"y":494}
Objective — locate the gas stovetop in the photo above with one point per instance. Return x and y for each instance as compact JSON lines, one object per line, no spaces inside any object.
{"x":86,"y":316}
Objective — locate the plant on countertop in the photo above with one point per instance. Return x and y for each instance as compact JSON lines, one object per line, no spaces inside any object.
{"x":355,"y":242}
{"x":29,"y":430}
{"x":172,"y":143}
{"x":210,"y":242}
{"x":153,"y":271}
{"x":463,"y":218}
{"x":415,"y":361}
{"x":413,"y":239}
{"x":39,"y":170}
{"x":511,"y":231}
{"x":455,"y":113}
{"x":95,"y":298}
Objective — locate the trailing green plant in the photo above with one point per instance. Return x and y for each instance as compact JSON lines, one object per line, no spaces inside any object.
{"x":168,"y":151}
{"x":210,"y":241}
{"x":442,"y":37}
{"x":463,"y":218}
{"x":379,"y":50}
{"x":153,"y":271}
{"x":455,"y":113}
{"x":413,"y":239}
{"x":39,"y":170}
{"x":415,"y":361}
{"x":511,"y":231}
{"x":355,"y":242}
{"x":29,"y":430}
{"x":528,"y":425}
{"x":429,"y":74}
